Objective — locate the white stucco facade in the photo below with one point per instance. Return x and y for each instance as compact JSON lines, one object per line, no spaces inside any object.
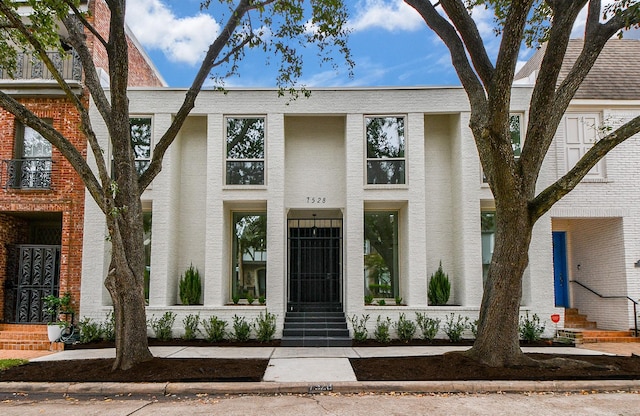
{"x":315,"y":162}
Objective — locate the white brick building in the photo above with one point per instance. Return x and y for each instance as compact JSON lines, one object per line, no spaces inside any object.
{"x":357,"y":192}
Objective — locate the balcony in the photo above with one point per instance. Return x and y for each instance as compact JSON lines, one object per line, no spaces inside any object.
{"x":32,"y":173}
{"x":32,"y":77}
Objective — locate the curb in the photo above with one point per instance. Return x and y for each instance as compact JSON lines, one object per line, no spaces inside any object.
{"x":311,"y":387}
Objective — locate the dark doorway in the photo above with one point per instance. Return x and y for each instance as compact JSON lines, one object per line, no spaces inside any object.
{"x":315,"y":264}
{"x":33,"y":272}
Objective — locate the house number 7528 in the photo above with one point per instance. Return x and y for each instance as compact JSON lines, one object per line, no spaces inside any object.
{"x":316,"y":200}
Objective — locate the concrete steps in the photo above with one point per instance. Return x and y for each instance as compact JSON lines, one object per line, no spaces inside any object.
{"x":315,"y":329}
{"x":574,"y":319}
{"x":27,"y":337}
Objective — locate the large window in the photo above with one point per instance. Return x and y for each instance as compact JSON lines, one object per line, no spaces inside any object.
{"x":249,"y":255}
{"x":31,"y":169}
{"x":245,"y":150}
{"x":381,"y":253}
{"x":385,"y":150}
{"x":488,"y":224}
{"x":141,"y":142}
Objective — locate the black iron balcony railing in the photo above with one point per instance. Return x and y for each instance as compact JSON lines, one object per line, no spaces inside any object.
{"x":32,"y":173}
{"x":30,"y":67}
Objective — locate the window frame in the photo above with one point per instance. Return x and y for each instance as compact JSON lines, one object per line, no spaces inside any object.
{"x":19,"y":160}
{"x":137,"y":159}
{"x":228,"y":160}
{"x":234,"y":277}
{"x":394,"y":280}
{"x":402,"y":159}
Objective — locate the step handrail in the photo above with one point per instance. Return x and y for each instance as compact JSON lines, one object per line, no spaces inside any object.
{"x":635,"y":303}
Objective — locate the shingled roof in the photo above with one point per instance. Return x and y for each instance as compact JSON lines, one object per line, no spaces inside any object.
{"x":615,"y":75}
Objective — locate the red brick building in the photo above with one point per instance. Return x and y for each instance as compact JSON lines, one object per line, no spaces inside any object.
{"x":41,"y":196}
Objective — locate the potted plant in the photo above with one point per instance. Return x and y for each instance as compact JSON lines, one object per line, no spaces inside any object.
{"x":53,"y":306}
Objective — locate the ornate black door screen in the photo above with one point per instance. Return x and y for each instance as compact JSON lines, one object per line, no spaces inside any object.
{"x":315,"y":264}
{"x":33,"y":272}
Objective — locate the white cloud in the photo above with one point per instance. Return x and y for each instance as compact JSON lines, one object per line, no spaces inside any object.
{"x":389,"y":15}
{"x":181,"y":39}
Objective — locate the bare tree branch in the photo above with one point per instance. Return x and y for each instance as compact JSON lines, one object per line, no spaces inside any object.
{"x":189,"y":101}
{"x":466,"y":26}
{"x":69,"y":151}
{"x":233,"y":51}
{"x":85,"y":23}
{"x":448,"y":34}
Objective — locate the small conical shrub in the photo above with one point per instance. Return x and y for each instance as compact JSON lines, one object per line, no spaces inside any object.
{"x":439,"y":287}
{"x":190,"y":287}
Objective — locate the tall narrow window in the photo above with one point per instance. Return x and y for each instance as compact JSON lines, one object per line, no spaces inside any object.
{"x":381,"y":254}
{"x":249,"y":255}
{"x":245,"y":151}
{"x":146,"y":218}
{"x":141,"y":142}
{"x":31,"y":169}
{"x":385,"y":150}
{"x":488,"y":225}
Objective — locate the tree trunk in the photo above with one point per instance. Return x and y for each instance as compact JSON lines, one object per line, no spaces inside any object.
{"x":125,"y":282}
{"x":497,"y":343}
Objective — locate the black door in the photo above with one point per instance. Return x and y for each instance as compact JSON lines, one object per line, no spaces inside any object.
{"x":315,"y":265}
{"x":33,"y":272}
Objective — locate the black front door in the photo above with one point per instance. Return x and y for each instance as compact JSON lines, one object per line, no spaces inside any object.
{"x":315,"y":264}
{"x":33,"y":272}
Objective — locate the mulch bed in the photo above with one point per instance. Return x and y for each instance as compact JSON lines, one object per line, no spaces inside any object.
{"x":455,"y":366}
{"x":157,"y":370}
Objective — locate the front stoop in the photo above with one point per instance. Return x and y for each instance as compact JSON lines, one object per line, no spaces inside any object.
{"x":315,"y":329}
{"x":26,"y":337}
{"x":579,"y":330}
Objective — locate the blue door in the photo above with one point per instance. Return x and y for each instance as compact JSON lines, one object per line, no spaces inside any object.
{"x":560,"y":272}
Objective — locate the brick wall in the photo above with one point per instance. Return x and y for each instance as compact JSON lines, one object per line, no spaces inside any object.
{"x":141,"y":73}
{"x":66,"y":195}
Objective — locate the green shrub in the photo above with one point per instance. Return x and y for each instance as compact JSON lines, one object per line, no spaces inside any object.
{"x":162,"y":327}
{"x":473,"y":326}
{"x":382,"y":329}
{"x":439,"y":287}
{"x":368,"y":299}
{"x":428,"y":326}
{"x":398,"y":300}
{"x":455,"y":327}
{"x":405,"y":328}
{"x":235,"y":299}
{"x":191,"y":323}
{"x":214,"y":329}
{"x":265,"y":326}
{"x":250,"y":298}
{"x":530,"y":328}
{"x":108,"y":327}
{"x":89,"y":331}
{"x":381,"y":302}
{"x":241,"y":329}
{"x":190,"y":287}
{"x":360,"y":332}
{"x":262,"y":300}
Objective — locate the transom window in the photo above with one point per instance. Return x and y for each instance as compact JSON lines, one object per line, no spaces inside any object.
{"x":385,"y":150}
{"x":381,"y":253}
{"x":245,"y":150}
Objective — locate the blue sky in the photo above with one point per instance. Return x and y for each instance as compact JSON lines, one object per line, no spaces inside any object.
{"x":390,"y":43}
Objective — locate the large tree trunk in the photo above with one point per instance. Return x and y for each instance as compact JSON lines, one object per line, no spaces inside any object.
{"x":125,"y":282}
{"x":497,"y":341}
